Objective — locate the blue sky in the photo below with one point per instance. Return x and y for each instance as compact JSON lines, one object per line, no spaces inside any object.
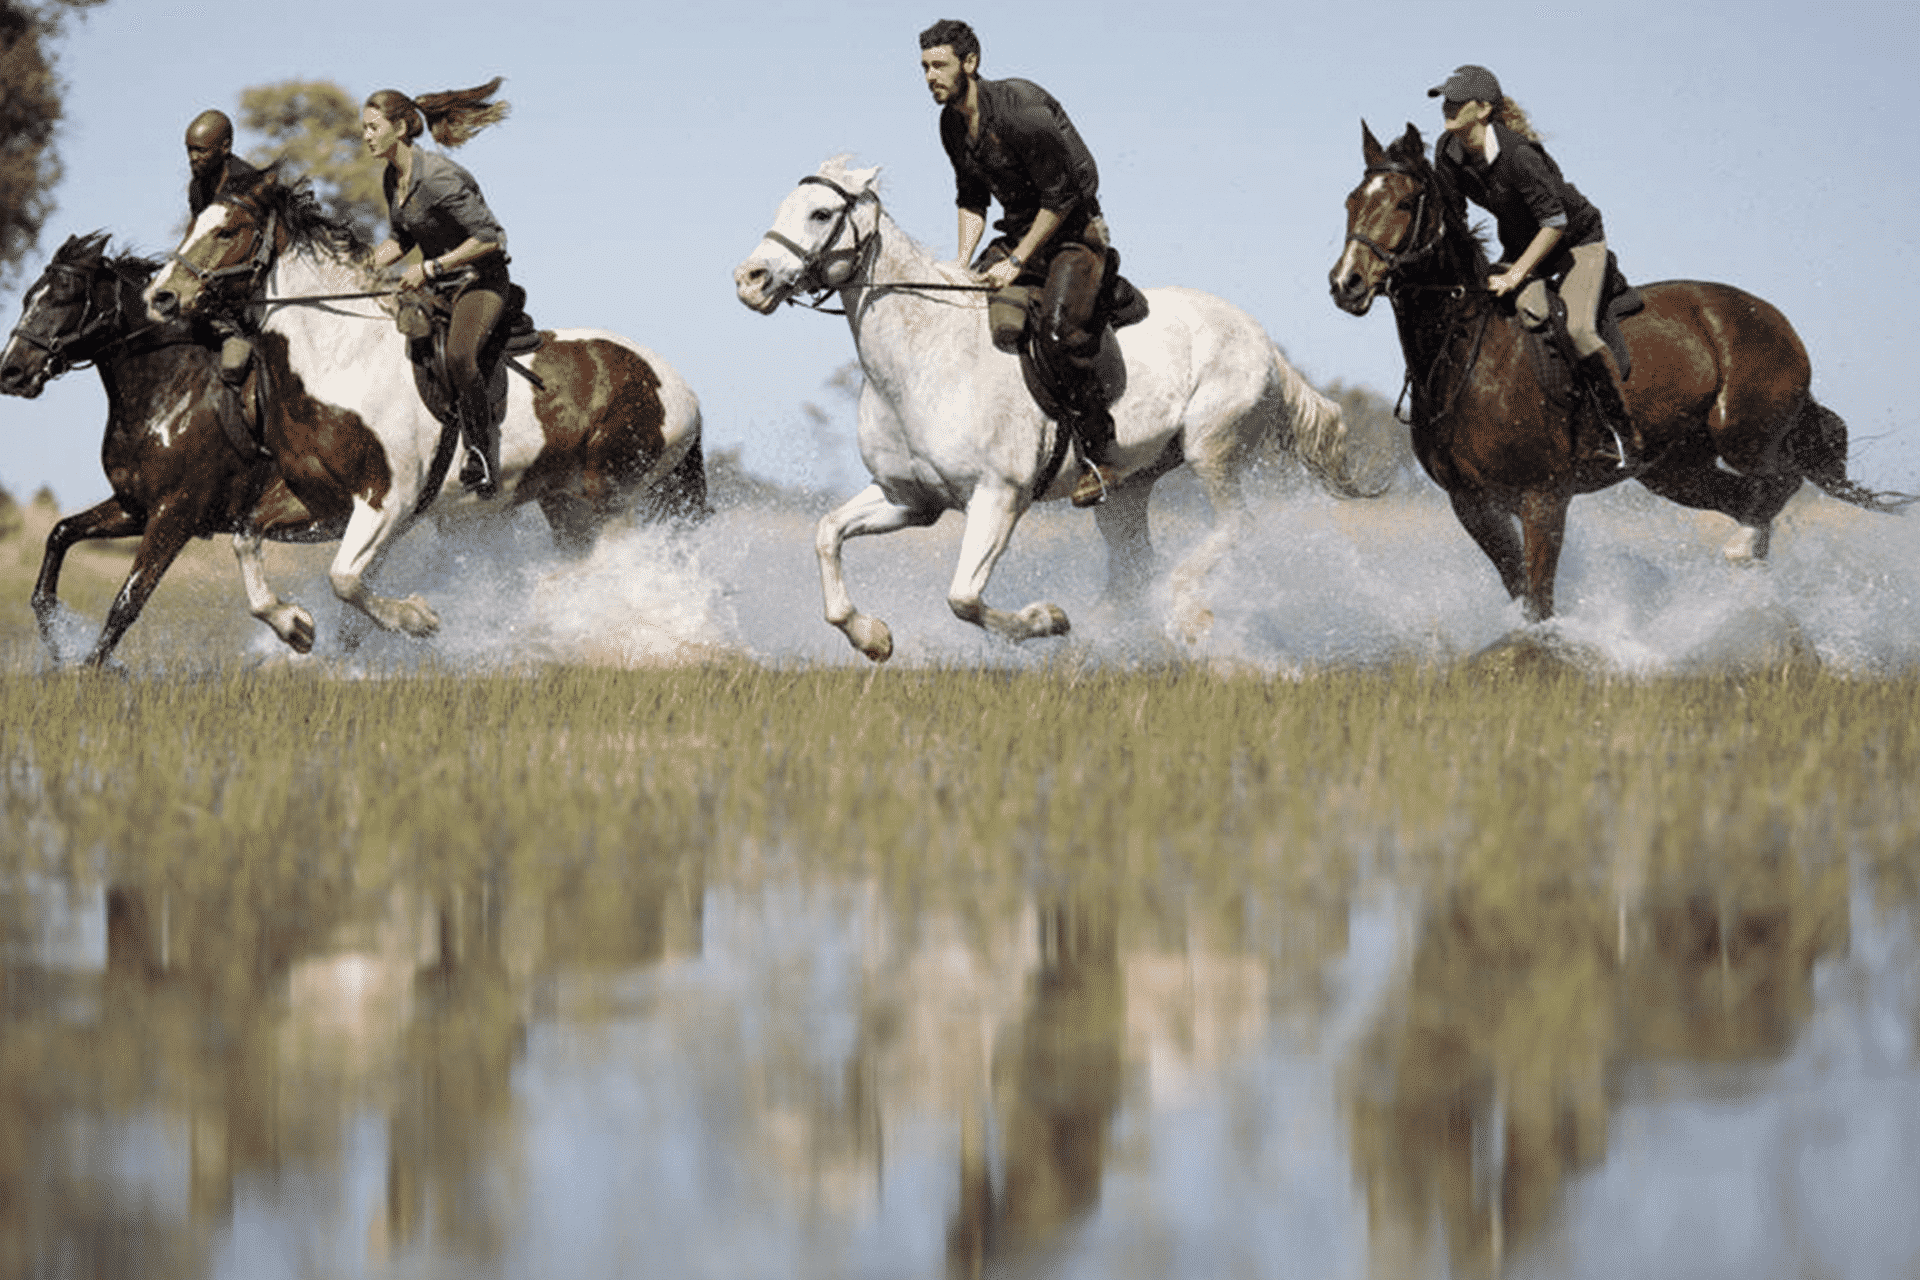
{"x":1768,"y":145}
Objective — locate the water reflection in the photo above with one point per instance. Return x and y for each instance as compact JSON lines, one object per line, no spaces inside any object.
{"x":673,"y":1067}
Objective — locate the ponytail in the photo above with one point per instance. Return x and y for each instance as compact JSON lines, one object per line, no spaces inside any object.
{"x":453,"y":117}
{"x":1509,"y":114}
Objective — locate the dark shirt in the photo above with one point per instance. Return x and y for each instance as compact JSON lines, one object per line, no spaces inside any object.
{"x":1524,"y":191}
{"x":202,"y":192}
{"x":1028,"y":156}
{"x":441,"y":210}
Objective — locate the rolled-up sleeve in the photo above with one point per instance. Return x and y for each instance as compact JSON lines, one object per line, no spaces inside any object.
{"x":1539,"y":188}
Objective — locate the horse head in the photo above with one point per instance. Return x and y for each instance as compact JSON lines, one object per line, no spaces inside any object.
{"x":1394,"y":218}
{"x":816,"y":243}
{"x":235,"y":240}
{"x":73,"y":312}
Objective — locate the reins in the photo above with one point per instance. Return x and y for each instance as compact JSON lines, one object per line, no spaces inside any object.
{"x":812,"y":280}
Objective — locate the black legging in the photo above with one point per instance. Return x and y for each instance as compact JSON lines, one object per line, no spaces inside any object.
{"x":475,"y":313}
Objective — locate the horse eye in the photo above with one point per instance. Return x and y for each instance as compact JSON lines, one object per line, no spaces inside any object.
{"x":821,"y":215}
{"x":1406,"y":206}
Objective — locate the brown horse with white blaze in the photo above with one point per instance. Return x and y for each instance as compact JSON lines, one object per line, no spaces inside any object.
{"x":603,"y":428}
{"x":1719,"y":386}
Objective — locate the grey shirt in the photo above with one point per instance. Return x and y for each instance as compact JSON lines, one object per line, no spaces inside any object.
{"x":441,"y":209}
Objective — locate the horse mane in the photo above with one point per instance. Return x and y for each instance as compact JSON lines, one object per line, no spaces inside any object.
{"x":1463,"y":245}
{"x":89,"y":251}
{"x":309,"y":225}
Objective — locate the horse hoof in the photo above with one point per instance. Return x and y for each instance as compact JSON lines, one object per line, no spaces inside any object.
{"x":1044,"y":619}
{"x":417,"y":619}
{"x":1194,"y":629}
{"x":872,"y":637}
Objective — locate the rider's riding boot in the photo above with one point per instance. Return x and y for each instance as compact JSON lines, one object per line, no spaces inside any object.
{"x":1094,"y":430}
{"x":1598,"y":377}
{"x":236,"y":358}
{"x":480,"y":471}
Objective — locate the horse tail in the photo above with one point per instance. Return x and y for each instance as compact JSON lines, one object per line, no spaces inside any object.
{"x":1314,"y":430}
{"x":681,"y":494}
{"x":1817,"y":443}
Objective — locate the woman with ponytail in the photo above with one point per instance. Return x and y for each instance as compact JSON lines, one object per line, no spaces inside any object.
{"x":435,"y":204}
{"x":1548,"y":230}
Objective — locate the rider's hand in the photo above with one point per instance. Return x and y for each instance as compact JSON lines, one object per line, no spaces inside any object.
{"x":1002,"y":273}
{"x":414,"y":277}
{"x":1504,"y":283}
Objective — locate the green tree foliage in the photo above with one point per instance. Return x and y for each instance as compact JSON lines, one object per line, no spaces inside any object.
{"x":29,"y":113}
{"x":314,"y":126}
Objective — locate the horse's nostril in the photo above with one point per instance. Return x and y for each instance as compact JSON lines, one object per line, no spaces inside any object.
{"x":165,"y":302}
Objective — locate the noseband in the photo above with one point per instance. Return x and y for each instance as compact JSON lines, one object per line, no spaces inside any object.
{"x":254,"y":269}
{"x":93,"y":322}
{"x":1394,"y":258}
{"x":814,"y":263}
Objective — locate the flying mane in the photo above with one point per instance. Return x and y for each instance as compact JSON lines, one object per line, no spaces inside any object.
{"x":88,"y":251}
{"x":327,"y":241}
{"x":1463,"y":247}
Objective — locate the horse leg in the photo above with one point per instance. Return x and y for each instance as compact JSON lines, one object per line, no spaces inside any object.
{"x":1492,"y":529}
{"x":369,"y":531}
{"x":1543,"y":526}
{"x":992,"y":513}
{"x":1693,"y":478}
{"x":170,"y":529}
{"x":868,"y":512}
{"x":1219,"y":475}
{"x":103,"y":520}
{"x":573,"y":520}
{"x":292,"y":623}
{"x":1122,"y":521}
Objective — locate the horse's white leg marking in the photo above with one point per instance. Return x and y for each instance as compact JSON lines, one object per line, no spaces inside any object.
{"x":1749,"y":544}
{"x":1190,"y":619}
{"x":293,"y":624}
{"x":868,"y":512}
{"x":991,"y":514}
{"x":369,"y":531}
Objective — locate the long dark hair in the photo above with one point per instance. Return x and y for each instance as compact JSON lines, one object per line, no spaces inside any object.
{"x":453,"y":116}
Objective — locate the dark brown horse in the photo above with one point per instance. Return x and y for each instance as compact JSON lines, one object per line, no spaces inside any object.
{"x":1719,"y":386}
{"x":173,"y":472}
{"x":604,"y":429}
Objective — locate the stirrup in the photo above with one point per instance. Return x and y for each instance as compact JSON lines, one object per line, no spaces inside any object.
{"x":476,"y":476}
{"x":1095,"y":485}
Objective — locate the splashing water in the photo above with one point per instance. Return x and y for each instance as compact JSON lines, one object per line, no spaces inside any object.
{"x":1643,"y":589}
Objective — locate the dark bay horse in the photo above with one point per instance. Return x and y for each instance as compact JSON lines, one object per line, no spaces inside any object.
{"x":604,"y":429}
{"x":173,"y":472}
{"x":1718,"y":377}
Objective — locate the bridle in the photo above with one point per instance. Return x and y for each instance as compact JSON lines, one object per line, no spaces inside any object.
{"x":1395,"y":258}
{"x":253,"y":269}
{"x":815,"y":263}
{"x":94,"y":321}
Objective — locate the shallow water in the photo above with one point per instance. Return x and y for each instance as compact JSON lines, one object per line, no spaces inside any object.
{"x":743,"y":1066}
{"x":753,"y":1072}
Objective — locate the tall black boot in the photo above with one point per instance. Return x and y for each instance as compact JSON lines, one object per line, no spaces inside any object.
{"x":1597,"y":376}
{"x":480,"y":471}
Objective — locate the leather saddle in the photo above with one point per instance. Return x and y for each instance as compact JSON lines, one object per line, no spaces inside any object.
{"x":1552,"y":348}
{"x":424,"y":318}
{"x":1013,"y":313}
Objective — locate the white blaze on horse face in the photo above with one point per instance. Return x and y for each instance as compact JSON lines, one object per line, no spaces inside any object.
{"x":176,"y":279}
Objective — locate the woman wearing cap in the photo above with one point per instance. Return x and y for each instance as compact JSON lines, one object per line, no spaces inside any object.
{"x":435,"y":204}
{"x":1547,"y":229}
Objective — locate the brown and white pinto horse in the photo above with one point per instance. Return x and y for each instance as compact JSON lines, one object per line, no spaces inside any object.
{"x":1719,"y":386}
{"x":609,"y":430}
{"x":174,"y":475}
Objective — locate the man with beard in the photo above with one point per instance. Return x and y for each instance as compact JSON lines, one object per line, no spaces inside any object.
{"x":1009,"y":140}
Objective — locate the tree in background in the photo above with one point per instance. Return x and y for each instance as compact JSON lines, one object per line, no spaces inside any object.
{"x":29,"y":112}
{"x":314,"y":125}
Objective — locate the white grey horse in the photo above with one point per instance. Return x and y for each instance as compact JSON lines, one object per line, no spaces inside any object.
{"x":946,"y":421}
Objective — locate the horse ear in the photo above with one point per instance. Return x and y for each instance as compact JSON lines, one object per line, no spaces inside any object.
{"x":862,"y":180}
{"x":1370,"y":149}
{"x":1411,"y":140}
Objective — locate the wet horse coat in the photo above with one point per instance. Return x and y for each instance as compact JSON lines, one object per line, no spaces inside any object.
{"x":947,"y":424}
{"x":173,"y":472}
{"x":1720,"y":386}
{"x":610,"y":431}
